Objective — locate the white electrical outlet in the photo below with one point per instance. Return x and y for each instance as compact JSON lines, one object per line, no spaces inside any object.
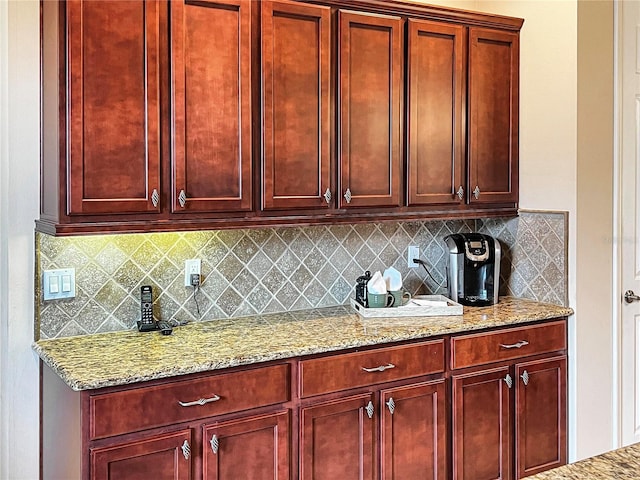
{"x":413,"y":252}
{"x":191,"y":267}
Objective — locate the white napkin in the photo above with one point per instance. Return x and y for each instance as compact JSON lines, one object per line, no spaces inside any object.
{"x":393,"y":279}
{"x":377,"y":284}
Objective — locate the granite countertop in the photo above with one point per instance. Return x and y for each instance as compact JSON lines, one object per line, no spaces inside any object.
{"x":119,"y":358}
{"x":621,"y":464}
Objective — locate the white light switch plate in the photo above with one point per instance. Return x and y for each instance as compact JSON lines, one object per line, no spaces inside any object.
{"x":60,"y":283}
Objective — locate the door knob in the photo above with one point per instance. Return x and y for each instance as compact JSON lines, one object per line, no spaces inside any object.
{"x":629,"y":296}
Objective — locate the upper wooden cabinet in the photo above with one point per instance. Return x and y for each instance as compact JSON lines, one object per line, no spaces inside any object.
{"x":436,"y":71}
{"x":211,"y":100}
{"x":493,"y":116}
{"x":225,"y":113}
{"x":113,"y":106}
{"x":296,"y":157}
{"x":369,"y":104}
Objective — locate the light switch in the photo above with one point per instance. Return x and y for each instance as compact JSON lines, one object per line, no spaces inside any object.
{"x":66,"y":283}
{"x":60,"y":283}
{"x":54,"y":284}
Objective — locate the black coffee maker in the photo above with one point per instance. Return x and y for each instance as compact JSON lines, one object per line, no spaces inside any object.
{"x":473,"y":269}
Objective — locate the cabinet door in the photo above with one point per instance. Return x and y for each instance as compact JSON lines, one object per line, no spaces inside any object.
{"x":435,"y":130}
{"x":296,"y":41}
{"x":370,"y":106}
{"x":482,"y":434}
{"x":114,"y":107}
{"x":541,"y":416}
{"x":414,"y":439}
{"x":211,"y":95}
{"x":162,"y":457}
{"x":493,"y":116}
{"x":337,"y":440}
{"x":254,"y":448}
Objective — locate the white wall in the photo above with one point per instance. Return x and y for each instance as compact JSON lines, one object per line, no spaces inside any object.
{"x":19,"y":193}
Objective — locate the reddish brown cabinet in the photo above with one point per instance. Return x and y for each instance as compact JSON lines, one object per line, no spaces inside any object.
{"x":163,"y":457}
{"x":375,"y":429}
{"x":256,"y":447}
{"x":292,"y":113}
{"x":296,"y":157}
{"x":436,"y":71}
{"x":337,"y":439}
{"x":232,"y":425}
{"x":541,"y":415}
{"x":482,"y":425}
{"x":385,"y":412}
{"x":370,"y":95}
{"x":114,"y":119}
{"x":211,"y":100}
{"x":509,"y":417}
{"x":493,"y":116}
{"x":413,"y":425}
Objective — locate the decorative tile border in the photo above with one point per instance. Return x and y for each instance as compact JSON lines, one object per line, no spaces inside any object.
{"x":255,"y":271}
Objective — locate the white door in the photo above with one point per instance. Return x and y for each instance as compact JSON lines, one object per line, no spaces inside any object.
{"x":629,"y":251}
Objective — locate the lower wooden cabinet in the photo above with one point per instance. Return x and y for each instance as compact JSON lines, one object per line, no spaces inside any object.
{"x":161,"y":457}
{"x":398,"y":412}
{"x":482,"y":425}
{"x":509,"y":422}
{"x":405,"y":426}
{"x":337,"y":439}
{"x":541,"y":415}
{"x":254,"y":448}
{"x":413,"y":429}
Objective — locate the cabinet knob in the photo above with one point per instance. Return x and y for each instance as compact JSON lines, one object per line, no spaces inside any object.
{"x":391,"y":405}
{"x":476,"y":192}
{"x":508,"y":380}
{"x":347,"y":195}
{"x":186,"y":450}
{"x":369,"y":409}
{"x":525,"y":377}
{"x":327,"y":196}
{"x":182,"y":198}
{"x":460,"y":192}
{"x":155,"y":197}
{"x":215,"y":444}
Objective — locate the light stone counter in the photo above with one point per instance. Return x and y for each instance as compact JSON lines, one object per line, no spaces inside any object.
{"x":621,"y":464}
{"x":118,"y":358}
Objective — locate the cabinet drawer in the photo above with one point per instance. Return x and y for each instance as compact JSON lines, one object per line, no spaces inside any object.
{"x":349,"y":370}
{"x":147,"y":407}
{"x":481,"y":348}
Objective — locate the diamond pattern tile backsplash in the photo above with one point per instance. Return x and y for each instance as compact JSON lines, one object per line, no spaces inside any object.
{"x":254,"y":271}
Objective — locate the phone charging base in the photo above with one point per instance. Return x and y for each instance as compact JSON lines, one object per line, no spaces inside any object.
{"x":147,"y":327}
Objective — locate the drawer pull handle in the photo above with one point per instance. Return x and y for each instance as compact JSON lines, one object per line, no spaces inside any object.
{"x":525,"y":378}
{"x":520,"y":344}
{"x":202,"y":401}
{"x":380,"y":368}
{"x":508,"y":380}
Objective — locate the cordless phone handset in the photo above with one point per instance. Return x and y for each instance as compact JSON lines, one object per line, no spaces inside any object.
{"x":146,"y":322}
